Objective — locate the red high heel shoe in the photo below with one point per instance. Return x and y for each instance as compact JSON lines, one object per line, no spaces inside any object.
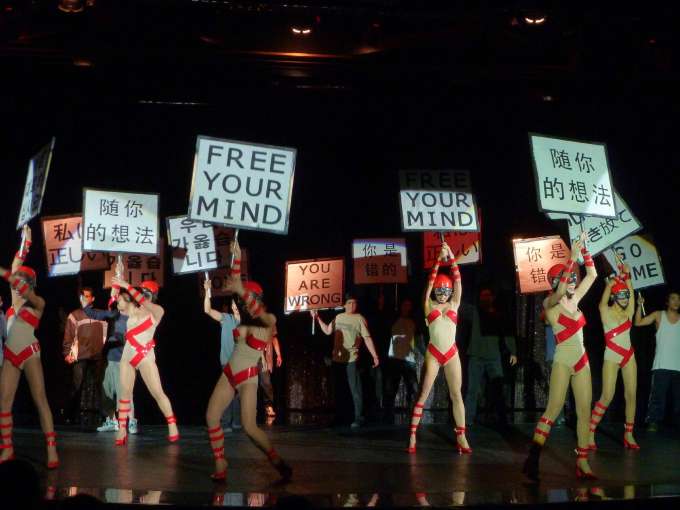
{"x":460,"y":431}
{"x":626,"y":444}
{"x":51,"y":440}
{"x":582,"y":453}
{"x":171,"y":419}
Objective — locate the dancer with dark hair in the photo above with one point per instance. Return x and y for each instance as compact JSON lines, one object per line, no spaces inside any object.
{"x":144,"y":315}
{"x":441,"y":303}
{"x":240,"y":374}
{"x":22,"y":354}
{"x":617,"y":307}
{"x":570,"y":364}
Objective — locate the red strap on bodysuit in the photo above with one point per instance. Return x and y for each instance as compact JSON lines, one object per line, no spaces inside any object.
{"x":237,"y":378}
{"x":609,"y":342}
{"x":581,"y":362}
{"x":618,"y":330}
{"x":28,"y":317}
{"x":18,"y":359}
{"x":256,"y":343}
{"x":445,"y":357}
{"x":142,"y":350}
{"x":571,"y":327}
{"x":435,"y":314}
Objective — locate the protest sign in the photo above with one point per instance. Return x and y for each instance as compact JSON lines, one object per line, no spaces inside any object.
{"x":572,"y":177}
{"x":120,"y":222}
{"x":602,"y":232}
{"x":139,"y":268}
{"x":379,"y":260}
{"x":62,"y":236}
{"x":642,"y":258}
{"x":429,"y":202}
{"x":314,"y":284}
{"x":466,"y":246}
{"x":36,"y":180}
{"x":218,"y":277}
{"x":458,"y":180}
{"x":534,"y":258}
{"x":193,"y":244}
{"x":242,"y":185}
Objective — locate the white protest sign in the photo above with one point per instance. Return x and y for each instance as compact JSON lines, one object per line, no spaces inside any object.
{"x":193,"y":243}
{"x":642,"y":258}
{"x":242,"y":185}
{"x":602,"y":232}
{"x":435,"y":179}
{"x":375,"y":247}
{"x":120,"y":222}
{"x":36,"y":180}
{"x":63,"y":247}
{"x":432,"y":203}
{"x":572,"y":177}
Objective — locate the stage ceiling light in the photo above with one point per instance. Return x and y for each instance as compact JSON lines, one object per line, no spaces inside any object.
{"x":302,"y":31}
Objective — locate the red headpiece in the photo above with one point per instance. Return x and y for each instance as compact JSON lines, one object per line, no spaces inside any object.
{"x":619,"y":286}
{"x":150,"y":285}
{"x":27,"y":271}
{"x":253,"y":287}
{"x":443,"y":281}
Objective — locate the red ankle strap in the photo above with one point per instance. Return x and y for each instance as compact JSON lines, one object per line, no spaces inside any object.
{"x":171,"y":419}
{"x":6,"y":415}
{"x":421,"y":406}
{"x":50,"y":434}
{"x":545,"y":420}
{"x":216,"y":429}
{"x":582,"y":453}
{"x":460,"y":431}
{"x":272,"y":455}
{"x":600,"y":405}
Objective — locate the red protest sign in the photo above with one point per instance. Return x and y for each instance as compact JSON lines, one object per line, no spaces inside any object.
{"x":314,"y":284}
{"x":466,"y":246}
{"x":379,"y":269}
{"x":534,"y":257}
{"x":139,"y":268}
{"x":62,"y":237}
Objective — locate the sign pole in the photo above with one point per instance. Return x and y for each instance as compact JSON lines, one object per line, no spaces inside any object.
{"x":642,"y":306}
{"x":313,"y":324}
{"x":441,"y":238}
{"x":119,"y":265}
{"x":23,"y":239}
{"x":396,"y":297}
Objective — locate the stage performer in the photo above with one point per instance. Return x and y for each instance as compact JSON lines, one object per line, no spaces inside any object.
{"x":144,"y":315}
{"x":441,"y":302}
{"x":240,"y":374}
{"x":617,"y":308}
{"x":22,"y":353}
{"x":570,"y":363}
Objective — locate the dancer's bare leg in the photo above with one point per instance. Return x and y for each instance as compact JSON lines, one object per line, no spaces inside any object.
{"x":221,"y":397}
{"x":610,"y":372}
{"x":127,"y":384}
{"x":149,"y":371}
{"x":427,"y":378}
{"x":582,"y":388}
{"x":9,"y":381}
{"x":557,"y":394}
{"x":629,"y":374}
{"x":248,"y":395}
{"x":36,"y":383}
{"x":454,"y":380}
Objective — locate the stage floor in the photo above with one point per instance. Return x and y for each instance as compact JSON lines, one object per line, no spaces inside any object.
{"x":343,"y":467}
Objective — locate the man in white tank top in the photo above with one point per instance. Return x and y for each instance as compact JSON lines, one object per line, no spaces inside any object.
{"x":666,"y":367}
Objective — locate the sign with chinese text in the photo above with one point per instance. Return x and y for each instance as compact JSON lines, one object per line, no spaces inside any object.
{"x":534,"y":257}
{"x":427,"y":203}
{"x":36,"y":180}
{"x":63,"y":247}
{"x":314,"y":284}
{"x":379,"y":260}
{"x":602,"y":232}
{"x":466,"y":246}
{"x":642,"y":258}
{"x":193,"y":244}
{"x":120,"y":222}
{"x":139,"y":268}
{"x":572,"y":177}
{"x":242,"y":185}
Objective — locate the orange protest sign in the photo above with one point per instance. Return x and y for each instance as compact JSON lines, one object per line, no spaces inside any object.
{"x":139,"y":268}
{"x":534,"y":257}
{"x":379,"y":269}
{"x":62,"y":237}
{"x":314,"y":284}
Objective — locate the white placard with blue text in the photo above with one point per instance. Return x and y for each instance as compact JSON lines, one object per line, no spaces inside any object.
{"x":572,"y":177}
{"x":120,"y":222}
{"x":242,"y":185}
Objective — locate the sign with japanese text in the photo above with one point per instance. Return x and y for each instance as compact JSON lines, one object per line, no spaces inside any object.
{"x":36,"y":180}
{"x":428,"y":204}
{"x":242,"y":185}
{"x":63,"y":252}
{"x":314,"y":284}
{"x":379,"y":260}
{"x":218,"y":277}
{"x":534,"y":257}
{"x":572,"y":177}
{"x":602,"y":232}
{"x":193,"y":244}
{"x":466,"y":246}
{"x":120,"y":222}
{"x":642,"y":258}
{"x":139,"y":268}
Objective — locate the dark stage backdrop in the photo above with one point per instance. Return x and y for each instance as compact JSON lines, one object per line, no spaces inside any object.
{"x":350,"y":146}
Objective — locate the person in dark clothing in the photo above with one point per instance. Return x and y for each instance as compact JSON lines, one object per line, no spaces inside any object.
{"x":491,"y":334}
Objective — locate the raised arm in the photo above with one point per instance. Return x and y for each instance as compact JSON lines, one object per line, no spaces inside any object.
{"x":22,"y":287}
{"x":457,"y":283}
{"x":606,"y":294}
{"x":326,"y":328}
{"x":21,"y":255}
{"x":99,"y":315}
{"x":207,"y":307}
{"x":591,"y":272}
{"x":652,"y":318}
{"x":433,"y":274}
{"x":155,"y":310}
{"x":625,"y":274}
